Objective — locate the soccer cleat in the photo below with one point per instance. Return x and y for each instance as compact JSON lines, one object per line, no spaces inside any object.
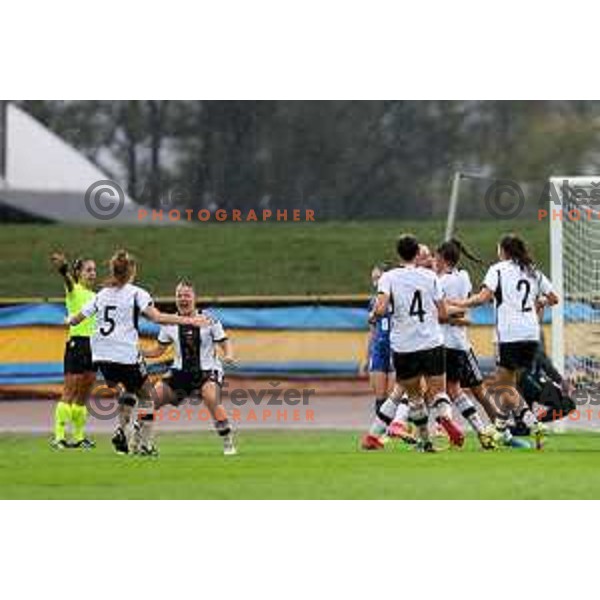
{"x":454,"y":432}
{"x":229,"y":448}
{"x":119,"y":441}
{"x":538,"y":431}
{"x":399,"y":430}
{"x":85,"y":444}
{"x":426,"y":447}
{"x":517,"y":443}
{"x":487,"y":439}
{"x":59,"y":444}
{"x":147,"y":451}
{"x":371,"y":442}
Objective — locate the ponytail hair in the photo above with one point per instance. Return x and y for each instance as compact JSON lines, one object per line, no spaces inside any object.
{"x":122,"y":269}
{"x":453,"y":250}
{"x":516,"y":250}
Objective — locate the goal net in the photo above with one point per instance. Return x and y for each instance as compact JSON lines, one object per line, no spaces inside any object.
{"x":574,"y":215}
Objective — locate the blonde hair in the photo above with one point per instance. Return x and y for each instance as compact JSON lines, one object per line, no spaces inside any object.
{"x":122,"y":268}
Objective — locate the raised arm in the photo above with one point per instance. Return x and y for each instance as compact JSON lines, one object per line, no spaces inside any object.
{"x":59,"y":262}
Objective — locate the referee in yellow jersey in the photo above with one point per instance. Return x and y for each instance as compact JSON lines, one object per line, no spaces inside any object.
{"x":79,"y":373}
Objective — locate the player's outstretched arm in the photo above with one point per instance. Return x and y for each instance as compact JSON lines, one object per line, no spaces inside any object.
{"x":75,"y":319}
{"x":483,"y":297}
{"x":156,"y":316}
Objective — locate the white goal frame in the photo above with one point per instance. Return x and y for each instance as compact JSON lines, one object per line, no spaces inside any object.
{"x":555,"y":190}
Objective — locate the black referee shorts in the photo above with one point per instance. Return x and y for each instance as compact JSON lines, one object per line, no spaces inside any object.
{"x":78,"y":356}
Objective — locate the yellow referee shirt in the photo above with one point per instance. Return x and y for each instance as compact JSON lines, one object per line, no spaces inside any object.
{"x":75,"y":300}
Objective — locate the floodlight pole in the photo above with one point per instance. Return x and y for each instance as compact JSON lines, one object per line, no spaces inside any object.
{"x":3,"y":139}
{"x":453,"y":204}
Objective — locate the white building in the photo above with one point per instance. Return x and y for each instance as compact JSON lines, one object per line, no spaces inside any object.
{"x":43,"y":178}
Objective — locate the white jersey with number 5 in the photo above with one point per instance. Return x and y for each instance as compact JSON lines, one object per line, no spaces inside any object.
{"x":413,"y":293}
{"x":117,"y":311}
{"x":516,"y":290}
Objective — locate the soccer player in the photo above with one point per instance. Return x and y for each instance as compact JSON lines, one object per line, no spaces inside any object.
{"x":462,"y":368}
{"x":518,"y":289}
{"x":197,"y":369}
{"x":544,"y":385}
{"x":417,"y":306}
{"x":390,"y":401}
{"x":118,"y":306}
{"x":79,"y":374}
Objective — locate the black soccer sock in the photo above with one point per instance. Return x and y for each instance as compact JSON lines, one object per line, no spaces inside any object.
{"x":223,"y":428}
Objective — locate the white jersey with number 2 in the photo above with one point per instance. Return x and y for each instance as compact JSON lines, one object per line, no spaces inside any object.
{"x":413,"y":292}
{"x":516,"y":290}
{"x":117,"y":311}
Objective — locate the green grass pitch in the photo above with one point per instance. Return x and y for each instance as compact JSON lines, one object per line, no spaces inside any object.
{"x":298,"y":465}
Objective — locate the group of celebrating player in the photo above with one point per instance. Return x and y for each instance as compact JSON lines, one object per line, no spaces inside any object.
{"x":419,"y":331}
{"x":103,"y":336}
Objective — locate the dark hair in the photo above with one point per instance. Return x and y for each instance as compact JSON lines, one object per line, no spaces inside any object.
{"x":77,"y":266}
{"x":452,"y":250}
{"x":122,"y":268}
{"x":407,"y":247}
{"x":516,"y":250}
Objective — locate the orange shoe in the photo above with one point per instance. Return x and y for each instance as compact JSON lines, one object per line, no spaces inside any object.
{"x":371,"y":442}
{"x":399,"y":430}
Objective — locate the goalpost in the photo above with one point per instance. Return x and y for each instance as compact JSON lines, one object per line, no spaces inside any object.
{"x":574,"y":215}
{"x":573,"y":212}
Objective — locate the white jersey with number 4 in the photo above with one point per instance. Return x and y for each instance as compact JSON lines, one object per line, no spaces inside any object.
{"x":413,"y":292}
{"x":516,"y":290}
{"x":117,"y":311}
{"x":456,"y":285}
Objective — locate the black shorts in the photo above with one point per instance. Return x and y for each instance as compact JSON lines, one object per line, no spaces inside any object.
{"x":187,"y":384}
{"x":428,"y":363}
{"x":131,"y":377}
{"x":516,"y":356}
{"x":462,"y":366}
{"x":78,"y":356}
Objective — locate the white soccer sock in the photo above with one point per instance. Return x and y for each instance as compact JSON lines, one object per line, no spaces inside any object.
{"x":383,"y":417}
{"x":469,"y":412}
{"x":420,"y":417}
{"x":442,"y":409}
{"x":402,"y":411}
